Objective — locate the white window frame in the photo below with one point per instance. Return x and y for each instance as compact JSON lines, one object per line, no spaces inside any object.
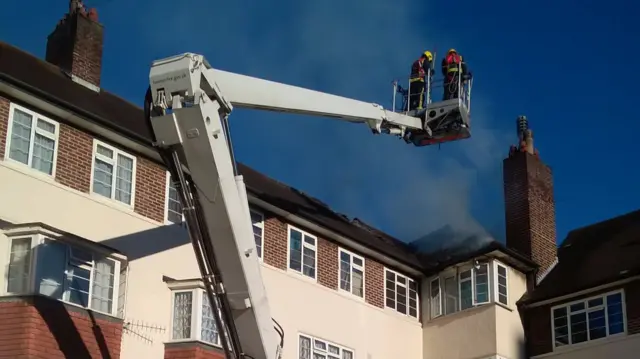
{"x":352,"y":265}
{"x":568,"y":305}
{"x":408,"y":279}
{"x":304,"y":244}
{"x":312,"y":339}
{"x":260,"y":253}
{"x":475,"y":283}
{"x":166,"y":202}
{"x":197,"y":293}
{"x":439,"y":298}
{"x":114,"y":162}
{"x":35,"y":116}
{"x":473,"y":289}
{"x":496,"y":281}
{"x":39,"y":238}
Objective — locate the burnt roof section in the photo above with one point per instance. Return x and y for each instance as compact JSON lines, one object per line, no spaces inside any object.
{"x":591,"y":256}
{"x":47,"y":81}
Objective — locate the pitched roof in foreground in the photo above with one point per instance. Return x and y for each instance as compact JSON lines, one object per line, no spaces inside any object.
{"x":591,"y":256}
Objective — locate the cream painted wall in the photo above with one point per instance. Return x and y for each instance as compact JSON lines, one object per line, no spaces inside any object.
{"x":626,"y":347}
{"x":298,"y":305}
{"x":490,"y":330}
{"x":509,"y":330}
{"x":301,"y":306}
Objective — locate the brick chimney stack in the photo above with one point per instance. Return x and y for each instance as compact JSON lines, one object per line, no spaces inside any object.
{"x":529,"y":203}
{"x":75,"y":45}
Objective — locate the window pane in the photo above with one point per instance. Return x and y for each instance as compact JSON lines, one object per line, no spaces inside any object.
{"x":358,"y":282}
{"x":390,"y":290}
{"x":435,"y":298}
{"x":43,"y":148}
{"x":560,"y":325}
{"x":78,"y":284}
{"x":304,"y":346}
{"x":20,"y":136}
{"x":174,"y":207}
{"x":295,"y":250}
{"x":19,"y":265}
{"x":347,"y":354}
{"x":103,"y":282}
{"x":309,"y":262}
{"x":401,"y":299}
{"x":502,"y":285}
{"x":597,"y":325}
{"x":257,"y":224}
{"x":124,"y":179}
{"x":614,"y":313}
{"x":466,"y":291}
{"x":52,"y":264}
{"x":482,"y":283}
{"x":345,"y":271}
{"x":102,"y":177}
{"x":182,"y":308}
{"x":451,"y":295}
{"x":578,"y":327}
{"x":209,"y":332}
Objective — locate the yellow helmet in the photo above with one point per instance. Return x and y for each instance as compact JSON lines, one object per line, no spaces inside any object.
{"x":428,"y":55}
{"x":452,"y":50}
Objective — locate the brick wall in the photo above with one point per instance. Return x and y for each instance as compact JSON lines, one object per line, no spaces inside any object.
{"x":39,"y":327}
{"x":328,"y":262}
{"x":275,"y":242}
{"x":374,"y":282}
{"x":151,"y":189}
{"x":538,"y":319}
{"x":191,"y":350}
{"x":530,"y":208}
{"x":75,"y":154}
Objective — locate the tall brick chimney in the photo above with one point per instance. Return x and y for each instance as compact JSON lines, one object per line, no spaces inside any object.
{"x":529,"y":204}
{"x":75,"y":45}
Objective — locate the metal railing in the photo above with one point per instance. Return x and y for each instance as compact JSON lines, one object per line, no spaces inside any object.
{"x":460,"y":89}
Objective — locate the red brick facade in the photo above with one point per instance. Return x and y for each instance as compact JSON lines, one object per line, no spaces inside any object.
{"x":4,"y":114}
{"x":38,"y":327}
{"x":75,"y":154}
{"x":193,"y":350}
{"x":530,"y":208}
{"x":538,"y":319}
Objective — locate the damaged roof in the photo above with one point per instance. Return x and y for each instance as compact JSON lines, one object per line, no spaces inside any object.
{"x":47,"y":81}
{"x":591,"y":256}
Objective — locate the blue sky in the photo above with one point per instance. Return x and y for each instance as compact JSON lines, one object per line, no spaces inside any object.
{"x":561,"y":63}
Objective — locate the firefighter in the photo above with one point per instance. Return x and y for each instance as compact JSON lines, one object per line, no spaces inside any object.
{"x":419,"y":70}
{"x":453,"y":67}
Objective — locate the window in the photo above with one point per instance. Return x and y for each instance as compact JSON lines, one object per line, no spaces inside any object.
{"x":351,"y":273}
{"x":589,"y":319}
{"x":73,"y":274}
{"x":174,"y":206}
{"x":314,"y":348}
{"x":501,"y":284}
{"x":257,"y":222}
{"x":32,"y":139}
{"x":113,"y":173}
{"x":192,"y":316}
{"x":435,"y":298}
{"x":467,"y":289}
{"x":302,"y":252}
{"x":401,"y":293}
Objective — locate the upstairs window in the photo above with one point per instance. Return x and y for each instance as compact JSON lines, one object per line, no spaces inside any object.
{"x":501,"y":284}
{"x":302,"y":252}
{"x":113,"y":173}
{"x":66,"y":272}
{"x":589,"y":319}
{"x":32,"y":140}
{"x":351,"y":273}
{"x":401,"y":293}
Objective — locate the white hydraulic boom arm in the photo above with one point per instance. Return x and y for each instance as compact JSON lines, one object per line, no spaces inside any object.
{"x":187,"y":106}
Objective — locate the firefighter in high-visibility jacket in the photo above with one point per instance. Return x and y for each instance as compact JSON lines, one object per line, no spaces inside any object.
{"x":455,"y":73}
{"x":420,"y":69}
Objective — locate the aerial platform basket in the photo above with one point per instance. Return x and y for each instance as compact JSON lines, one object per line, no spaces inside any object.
{"x":447,"y":120}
